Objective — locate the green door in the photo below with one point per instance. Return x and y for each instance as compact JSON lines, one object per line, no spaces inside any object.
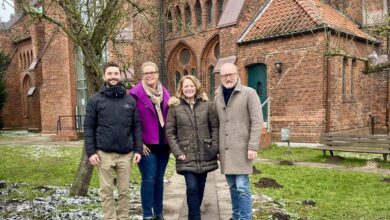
{"x":257,"y":79}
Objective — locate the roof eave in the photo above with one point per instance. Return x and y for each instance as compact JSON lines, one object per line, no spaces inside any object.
{"x":281,"y":36}
{"x":317,"y":29}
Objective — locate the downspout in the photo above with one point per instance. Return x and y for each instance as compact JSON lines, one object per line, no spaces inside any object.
{"x":328,"y":86}
{"x":327,"y":95}
{"x":387,"y":80}
{"x":162,"y":46}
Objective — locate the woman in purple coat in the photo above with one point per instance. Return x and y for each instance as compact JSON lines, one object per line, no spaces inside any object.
{"x":152,"y":103}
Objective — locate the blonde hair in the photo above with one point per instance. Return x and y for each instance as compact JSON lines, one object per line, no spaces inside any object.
{"x":149,"y":63}
{"x":198,"y":86}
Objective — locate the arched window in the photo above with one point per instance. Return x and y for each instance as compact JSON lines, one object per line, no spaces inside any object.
{"x":169,"y":22}
{"x":216,"y":50}
{"x":212,"y":82}
{"x":20,"y":62}
{"x":343,"y":76}
{"x":187,"y":11}
{"x":178,"y":19}
{"x":209,"y":10}
{"x":24,"y":61}
{"x":28,"y":59}
{"x":185,"y":72}
{"x":198,"y":13}
{"x":177,"y":80}
{"x":353,"y":67}
{"x":26,"y":86}
{"x":220,"y":7}
{"x":194,"y":73}
{"x":184,"y":56}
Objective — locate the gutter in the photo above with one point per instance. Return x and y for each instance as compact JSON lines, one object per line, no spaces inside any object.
{"x":314,"y":30}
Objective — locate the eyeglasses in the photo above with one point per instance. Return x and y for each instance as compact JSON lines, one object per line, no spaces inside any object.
{"x":229,"y":75}
{"x":150,"y":73}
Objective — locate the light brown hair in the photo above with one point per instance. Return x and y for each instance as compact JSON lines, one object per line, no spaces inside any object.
{"x":198,"y":86}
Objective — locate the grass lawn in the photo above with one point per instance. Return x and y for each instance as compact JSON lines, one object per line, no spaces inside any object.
{"x":48,"y":165}
{"x":303,"y":154}
{"x":338,"y":194}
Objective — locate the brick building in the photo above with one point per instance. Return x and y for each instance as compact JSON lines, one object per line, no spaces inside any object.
{"x":305,"y":56}
{"x":312,"y":92}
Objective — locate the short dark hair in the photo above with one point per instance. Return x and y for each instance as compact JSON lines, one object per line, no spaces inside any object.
{"x":109,"y":64}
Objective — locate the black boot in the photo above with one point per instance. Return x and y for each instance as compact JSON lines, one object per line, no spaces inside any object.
{"x":159,"y":217}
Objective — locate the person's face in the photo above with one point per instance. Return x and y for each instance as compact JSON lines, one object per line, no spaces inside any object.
{"x":229,"y":76}
{"x":112,"y":76}
{"x":150,"y":76}
{"x":189,"y":89}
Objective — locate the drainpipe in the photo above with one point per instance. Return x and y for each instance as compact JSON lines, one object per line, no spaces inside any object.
{"x":387,"y":80}
{"x":327,"y":94}
{"x":162,"y":46}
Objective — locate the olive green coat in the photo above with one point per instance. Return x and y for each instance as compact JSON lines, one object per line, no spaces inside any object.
{"x":240,"y":124}
{"x":193,"y":133}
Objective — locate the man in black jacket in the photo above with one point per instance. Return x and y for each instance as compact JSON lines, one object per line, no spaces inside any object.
{"x":112,"y":133}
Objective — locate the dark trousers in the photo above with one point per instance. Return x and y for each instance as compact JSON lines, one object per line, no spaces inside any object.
{"x":195,"y":190}
{"x":152,"y":169}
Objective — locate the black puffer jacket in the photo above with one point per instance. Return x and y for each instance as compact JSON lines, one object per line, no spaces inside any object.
{"x":112,"y":122}
{"x":193,"y":133}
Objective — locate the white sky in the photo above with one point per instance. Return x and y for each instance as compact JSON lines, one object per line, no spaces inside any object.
{"x":5,"y":10}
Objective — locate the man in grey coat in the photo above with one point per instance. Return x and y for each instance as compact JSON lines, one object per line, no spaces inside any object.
{"x":240,"y":122}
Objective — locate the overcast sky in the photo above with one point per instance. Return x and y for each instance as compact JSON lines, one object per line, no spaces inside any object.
{"x":5,"y":10}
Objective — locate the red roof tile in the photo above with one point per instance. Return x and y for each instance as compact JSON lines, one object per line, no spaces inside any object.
{"x":285,"y":17}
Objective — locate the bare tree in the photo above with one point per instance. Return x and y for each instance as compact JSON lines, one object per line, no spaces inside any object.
{"x":91,"y":25}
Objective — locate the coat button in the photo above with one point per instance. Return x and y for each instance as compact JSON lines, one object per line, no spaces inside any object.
{"x":226,"y":135}
{"x":227,"y":148}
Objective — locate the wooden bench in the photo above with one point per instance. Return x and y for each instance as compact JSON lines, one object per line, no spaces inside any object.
{"x":374,"y":144}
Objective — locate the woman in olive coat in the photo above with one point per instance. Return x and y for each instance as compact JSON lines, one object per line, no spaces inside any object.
{"x":192,"y":131}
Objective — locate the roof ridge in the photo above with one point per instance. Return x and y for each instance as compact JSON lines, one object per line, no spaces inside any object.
{"x":308,"y":7}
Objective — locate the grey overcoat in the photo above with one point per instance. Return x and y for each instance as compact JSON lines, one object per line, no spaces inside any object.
{"x":240,"y":124}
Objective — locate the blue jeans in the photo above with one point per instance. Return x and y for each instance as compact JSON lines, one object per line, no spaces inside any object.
{"x":195,"y":190}
{"x":241,"y":196}
{"x":152,"y":168}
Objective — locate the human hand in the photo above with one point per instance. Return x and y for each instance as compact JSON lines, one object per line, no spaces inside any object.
{"x":137,"y":158}
{"x":252,"y":154}
{"x":94,"y":160}
{"x":218,"y":157}
{"x":182,"y":157}
{"x":146,"y":150}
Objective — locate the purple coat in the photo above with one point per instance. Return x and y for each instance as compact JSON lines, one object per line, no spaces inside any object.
{"x":148,"y":115}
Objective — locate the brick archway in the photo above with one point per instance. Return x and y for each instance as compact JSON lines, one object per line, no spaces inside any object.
{"x":181,"y":60}
{"x":209,"y":59}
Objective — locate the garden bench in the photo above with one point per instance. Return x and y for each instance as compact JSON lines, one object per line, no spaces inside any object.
{"x":374,"y":144}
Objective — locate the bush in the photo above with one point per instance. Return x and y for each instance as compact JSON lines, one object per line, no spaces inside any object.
{"x":5,"y":60}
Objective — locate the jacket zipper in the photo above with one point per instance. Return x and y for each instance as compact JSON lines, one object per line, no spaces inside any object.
{"x":197,"y":138}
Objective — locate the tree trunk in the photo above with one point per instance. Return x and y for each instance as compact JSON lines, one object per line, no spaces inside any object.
{"x":83,"y":177}
{"x":84,"y":171}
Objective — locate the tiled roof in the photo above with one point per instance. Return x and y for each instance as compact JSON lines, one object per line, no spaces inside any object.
{"x":285,"y":17}
{"x":12,"y":21}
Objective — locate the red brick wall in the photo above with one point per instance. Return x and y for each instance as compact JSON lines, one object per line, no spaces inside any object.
{"x":58,"y":75}
{"x":350,"y":111}
{"x":297,"y":95}
{"x":22,"y":111}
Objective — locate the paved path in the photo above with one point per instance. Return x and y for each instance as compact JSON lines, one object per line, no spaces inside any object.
{"x":216,"y":202}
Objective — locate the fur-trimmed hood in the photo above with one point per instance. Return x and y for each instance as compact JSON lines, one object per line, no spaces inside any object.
{"x":175,"y":101}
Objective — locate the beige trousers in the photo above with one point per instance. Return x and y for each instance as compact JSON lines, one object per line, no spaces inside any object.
{"x":120,"y":164}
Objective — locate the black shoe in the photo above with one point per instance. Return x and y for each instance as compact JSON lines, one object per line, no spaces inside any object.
{"x":159,"y":217}
{"x":149,"y":218}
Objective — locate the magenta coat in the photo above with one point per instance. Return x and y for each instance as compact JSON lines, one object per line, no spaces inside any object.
{"x":149,"y":119}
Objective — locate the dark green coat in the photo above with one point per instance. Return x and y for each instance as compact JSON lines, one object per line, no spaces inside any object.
{"x":193,"y":133}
